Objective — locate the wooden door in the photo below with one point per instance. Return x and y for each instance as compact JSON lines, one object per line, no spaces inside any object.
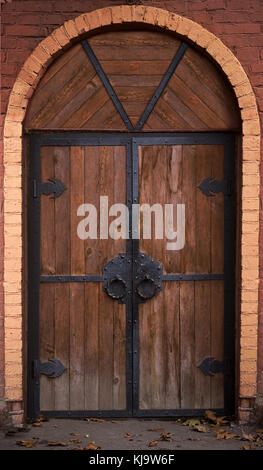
{"x":133,"y":325}
{"x":105,"y":343}
{"x":185,"y":333}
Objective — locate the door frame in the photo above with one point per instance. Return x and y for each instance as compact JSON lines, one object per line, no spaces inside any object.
{"x":131,"y":141}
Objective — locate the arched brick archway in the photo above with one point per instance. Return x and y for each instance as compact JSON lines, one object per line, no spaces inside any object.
{"x":27,"y":81}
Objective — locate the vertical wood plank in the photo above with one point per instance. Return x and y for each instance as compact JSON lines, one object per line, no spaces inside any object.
{"x":77,"y":197}
{"x":62,"y":211}
{"x":92,"y":346}
{"x":187,"y":344}
{"x":202,"y":342}
{"x":77,"y":347}
{"x":217,"y":341}
{"x":47,"y":215}
{"x":47,"y":342}
{"x":171,"y":333}
{"x":106,"y":353}
{"x":62,"y":344}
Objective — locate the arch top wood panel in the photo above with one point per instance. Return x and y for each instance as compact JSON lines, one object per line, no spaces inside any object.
{"x":71,"y":95}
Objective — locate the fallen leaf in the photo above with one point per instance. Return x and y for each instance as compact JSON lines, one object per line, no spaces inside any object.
{"x":27,"y":444}
{"x":211,"y":416}
{"x":92,"y":446}
{"x":114,"y":422}
{"x":166,"y":436}
{"x":37,"y":424}
{"x":155,"y":429}
{"x":247,"y":437}
{"x":75,"y":441}
{"x":245,"y":447}
{"x":222,"y":434}
{"x":193,"y":439}
{"x":75,"y":434}
{"x":153,"y":443}
{"x":57,"y":444}
{"x":95,"y":420}
{"x":128,"y":436}
{"x":192,"y":422}
{"x":43,"y":418}
{"x":201,"y":428}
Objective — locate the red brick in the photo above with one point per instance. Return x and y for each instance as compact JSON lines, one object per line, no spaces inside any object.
{"x":36,"y":31}
{"x":258,"y":67}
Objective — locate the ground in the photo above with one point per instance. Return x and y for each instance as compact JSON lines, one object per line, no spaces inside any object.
{"x":207,"y":433}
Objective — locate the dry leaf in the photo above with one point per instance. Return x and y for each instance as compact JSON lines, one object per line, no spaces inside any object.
{"x":201,"y":428}
{"x":37,"y":424}
{"x":57,"y":444}
{"x":166,"y":436}
{"x":114,"y":422}
{"x":245,"y":447}
{"x":153,"y":443}
{"x":27,"y":444}
{"x":95,"y":420}
{"x":92,"y":446}
{"x":211,"y":416}
{"x":75,"y":434}
{"x":222,"y":434}
{"x":128,"y":436}
{"x":192,"y":422}
{"x":43,"y":418}
{"x":247,"y":437}
{"x":75,"y":441}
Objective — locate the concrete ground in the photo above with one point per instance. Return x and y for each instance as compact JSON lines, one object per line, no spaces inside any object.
{"x":133,"y":434}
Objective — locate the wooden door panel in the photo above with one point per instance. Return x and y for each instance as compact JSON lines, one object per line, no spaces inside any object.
{"x":86,"y":330}
{"x":87,"y":173}
{"x":177,"y":171}
{"x":179,"y":328}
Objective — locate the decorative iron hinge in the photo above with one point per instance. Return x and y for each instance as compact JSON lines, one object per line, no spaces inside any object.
{"x":210,"y":187}
{"x":210,"y":366}
{"x":53,"y":185}
{"x":53,"y":368}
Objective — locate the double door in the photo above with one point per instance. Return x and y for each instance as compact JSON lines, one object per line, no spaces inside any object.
{"x":131,"y":274}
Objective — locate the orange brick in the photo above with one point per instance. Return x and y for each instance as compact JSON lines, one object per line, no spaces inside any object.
{"x":248,"y":353}
{"x":42,"y":56}
{"x":249,"y":320}
{"x":251,"y":142}
{"x":27,"y":76}
{"x":33,"y":65}
{"x":251,"y":127}
{"x":250,"y":168}
{"x":250,"y":180}
{"x":12,"y":182}
{"x":249,"y":308}
{"x":15,"y":113}
{"x":14,"y":394}
{"x":13,"y":129}
{"x":250,"y":156}
{"x":71,"y":29}
{"x":248,"y":366}
{"x":13,"y":206}
{"x":81,"y":24}
{"x":93,"y":20}
{"x":126,"y":13}
{"x":243,"y":89}
{"x":205,"y":38}
{"x":249,"y":113}
{"x":184,"y":25}
{"x":116,"y":14}
{"x":51,"y":45}
{"x":18,"y":100}
{"x":247,"y":101}
{"x":249,"y":296}
{"x":250,"y":216}
{"x":238,"y":77}
{"x":21,"y":88}
{"x":250,"y":238}
{"x":172,"y":21}
{"x":61,"y":36}
{"x":162,"y":18}
{"x":248,"y":249}
{"x":150,"y":15}
{"x":250,"y":262}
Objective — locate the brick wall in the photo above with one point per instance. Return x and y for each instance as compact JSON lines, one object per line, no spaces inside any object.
{"x":238,"y":23}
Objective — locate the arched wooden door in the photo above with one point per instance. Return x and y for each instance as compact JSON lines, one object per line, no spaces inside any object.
{"x":127,"y":320}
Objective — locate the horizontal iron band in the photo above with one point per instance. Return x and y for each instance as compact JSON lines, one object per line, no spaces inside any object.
{"x":71,"y":278}
{"x":193,"y":277}
{"x":165,"y":277}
